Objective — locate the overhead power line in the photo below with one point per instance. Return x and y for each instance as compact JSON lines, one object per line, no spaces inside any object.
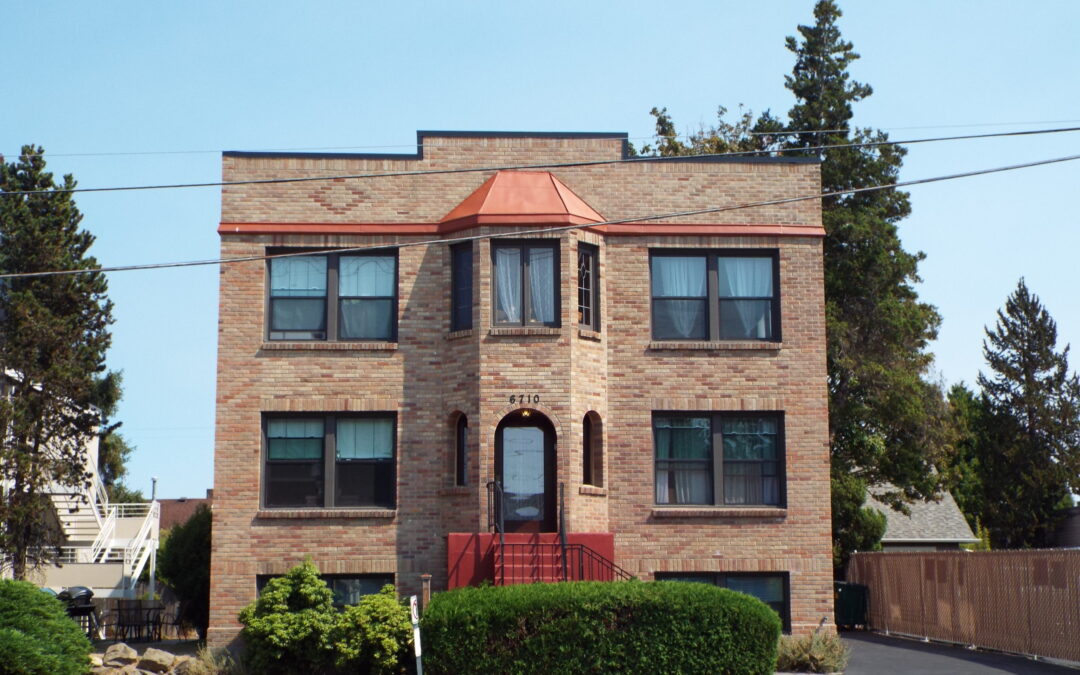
{"x":562,"y":228}
{"x":341,"y":148}
{"x":628,"y":160}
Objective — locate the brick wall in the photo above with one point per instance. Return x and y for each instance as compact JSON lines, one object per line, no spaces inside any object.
{"x":430,"y":375}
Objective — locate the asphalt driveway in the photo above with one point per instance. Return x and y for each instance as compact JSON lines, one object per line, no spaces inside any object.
{"x":873,"y":654}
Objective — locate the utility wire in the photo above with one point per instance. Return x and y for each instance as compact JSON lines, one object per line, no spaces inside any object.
{"x":562,"y":228}
{"x":627,"y":160}
{"x":790,"y":132}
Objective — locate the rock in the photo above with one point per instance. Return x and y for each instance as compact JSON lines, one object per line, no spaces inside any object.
{"x":119,"y":655}
{"x":101,"y":670}
{"x":95,"y":661}
{"x":156,"y":660}
{"x":186,"y":665}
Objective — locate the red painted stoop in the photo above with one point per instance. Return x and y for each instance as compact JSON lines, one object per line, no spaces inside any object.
{"x":473,"y":558}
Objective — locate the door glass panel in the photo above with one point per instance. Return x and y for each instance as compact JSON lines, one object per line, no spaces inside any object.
{"x":523,"y":473}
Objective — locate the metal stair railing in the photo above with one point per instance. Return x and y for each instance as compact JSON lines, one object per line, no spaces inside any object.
{"x":99,"y":550}
{"x":139,"y":549}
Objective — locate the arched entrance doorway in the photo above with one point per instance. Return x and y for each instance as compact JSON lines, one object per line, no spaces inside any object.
{"x":525,"y":467}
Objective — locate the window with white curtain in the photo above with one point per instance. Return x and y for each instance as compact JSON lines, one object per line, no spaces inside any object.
{"x":715,"y":295}
{"x":333,"y":297}
{"x":733,"y":459}
{"x":329,"y":461}
{"x":525,"y":280}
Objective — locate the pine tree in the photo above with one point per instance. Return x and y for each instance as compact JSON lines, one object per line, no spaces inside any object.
{"x":53,"y":338}
{"x":1030,"y":454}
{"x":887,"y":423}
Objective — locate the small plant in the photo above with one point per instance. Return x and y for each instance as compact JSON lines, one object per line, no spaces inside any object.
{"x":815,"y":653}
{"x":213,"y":662}
{"x":36,"y":635}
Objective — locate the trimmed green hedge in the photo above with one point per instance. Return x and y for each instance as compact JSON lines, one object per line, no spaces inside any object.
{"x":36,"y":635}
{"x":658,"y":627}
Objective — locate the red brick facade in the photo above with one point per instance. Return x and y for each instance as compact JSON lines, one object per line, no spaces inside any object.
{"x":429,"y":375}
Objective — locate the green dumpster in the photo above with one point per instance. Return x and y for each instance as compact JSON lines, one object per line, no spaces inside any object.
{"x":852,"y":602}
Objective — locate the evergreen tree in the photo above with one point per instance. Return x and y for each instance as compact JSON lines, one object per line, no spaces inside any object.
{"x":887,"y":423}
{"x":1030,"y":451}
{"x":113,"y":449}
{"x":53,"y":338}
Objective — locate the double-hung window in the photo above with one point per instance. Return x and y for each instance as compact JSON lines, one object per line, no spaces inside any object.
{"x":733,"y":459}
{"x":525,"y":279}
{"x":333,"y":297}
{"x":729,"y":295}
{"x":328,"y":461}
{"x":772,"y":588}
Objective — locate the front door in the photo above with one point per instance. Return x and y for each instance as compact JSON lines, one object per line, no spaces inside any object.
{"x":525,"y":466}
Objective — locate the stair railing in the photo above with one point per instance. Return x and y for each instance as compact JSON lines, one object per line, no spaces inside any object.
{"x":103,"y":541}
{"x":138,"y":550}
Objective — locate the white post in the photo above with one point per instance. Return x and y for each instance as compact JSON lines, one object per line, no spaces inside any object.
{"x":153,"y":569}
{"x":416,"y":634}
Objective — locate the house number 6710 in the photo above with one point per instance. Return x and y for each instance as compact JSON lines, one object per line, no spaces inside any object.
{"x":524,"y":398}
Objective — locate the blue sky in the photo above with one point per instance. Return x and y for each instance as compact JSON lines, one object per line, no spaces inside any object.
{"x":179,"y":82}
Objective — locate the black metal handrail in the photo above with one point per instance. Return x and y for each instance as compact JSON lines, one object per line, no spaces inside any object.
{"x":529,"y":562}
{"x":495,"y":507}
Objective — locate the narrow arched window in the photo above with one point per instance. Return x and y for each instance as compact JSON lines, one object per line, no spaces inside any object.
{"x":461,"y":443}
{"x":592,"y":455}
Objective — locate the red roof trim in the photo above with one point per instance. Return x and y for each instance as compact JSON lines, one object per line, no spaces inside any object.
{"x":621,"y":229}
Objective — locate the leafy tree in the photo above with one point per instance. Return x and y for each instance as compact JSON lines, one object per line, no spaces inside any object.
{"x":184,"y":564}
{"x":1029,"y":454}
{"x":113,"y":449}
{"x":887,"y":423}
{"x":54,"y":332}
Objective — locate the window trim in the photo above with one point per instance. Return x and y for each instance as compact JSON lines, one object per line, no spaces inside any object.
{"x":333,"y":297}
{"x":713,"y":300}
{"x":329,"y":460}
{"x":262,"y":580}
{"x":524,"y":245}
{"x":460,"y":320}
{"x":592,"y":254}
{"x":716,"y":468}
{"x":719,"y":579}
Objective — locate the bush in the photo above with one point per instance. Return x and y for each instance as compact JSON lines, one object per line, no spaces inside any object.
{"x":36,"y":635}
{"x":293,"y":628}
{"x":660,"y":627}
{"x":184,"y":564}
{"x":374,"y":636}
{"x":815,"y":653}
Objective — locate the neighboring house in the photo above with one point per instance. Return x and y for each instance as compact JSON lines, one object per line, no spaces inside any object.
{"x":1067,"y":534}
{"x":930,"y":525}
{"x":106,"y":545}
{"x":177,"y":511}
{"x":643,"y":397}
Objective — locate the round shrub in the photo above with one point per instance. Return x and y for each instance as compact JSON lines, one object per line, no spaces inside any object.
{"x":287,"y":628}
{"x":660,"y":627}
{"x":374,"y":636}
{"x":36,"y":635}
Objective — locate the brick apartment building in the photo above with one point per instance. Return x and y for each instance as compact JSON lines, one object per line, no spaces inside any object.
{"x":653,"y":389}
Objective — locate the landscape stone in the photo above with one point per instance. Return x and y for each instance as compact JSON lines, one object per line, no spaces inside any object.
{"x":119,"y":654}
{"x":156,"y":660}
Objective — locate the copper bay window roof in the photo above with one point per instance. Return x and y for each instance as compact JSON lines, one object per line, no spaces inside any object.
{"x":522,"y":198}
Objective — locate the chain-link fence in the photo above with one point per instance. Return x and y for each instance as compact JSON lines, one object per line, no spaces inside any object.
{"x":1016,"y":601}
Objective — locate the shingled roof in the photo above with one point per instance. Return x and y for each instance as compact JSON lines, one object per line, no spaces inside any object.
{"x":939,"y":522}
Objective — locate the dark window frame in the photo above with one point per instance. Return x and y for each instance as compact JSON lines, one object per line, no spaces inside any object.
{"x":461,"y":285}
{"x":588,"y":286}
{"x":715,"y":467}
{"x":713,"y":300}
{"x":524,"y":246}
{"x":720,"y":579}
{"x":461,"y":450}
{"x":331,"y":330}
{"x":261,"y":580}
{"x":329,"y":461}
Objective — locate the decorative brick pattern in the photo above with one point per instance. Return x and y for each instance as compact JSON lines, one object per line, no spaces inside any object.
{"x":430,"y":375}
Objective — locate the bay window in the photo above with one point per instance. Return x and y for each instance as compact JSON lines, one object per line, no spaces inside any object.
{"x":525,"y":279}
